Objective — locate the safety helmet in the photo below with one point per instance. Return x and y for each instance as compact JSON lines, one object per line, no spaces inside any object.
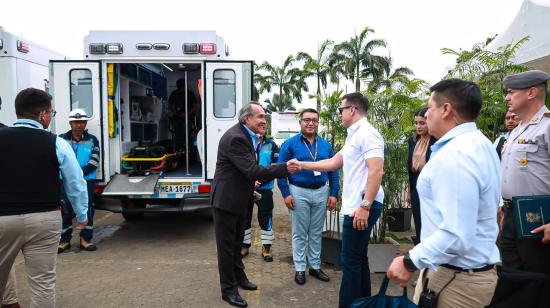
{"x":78,"y":115}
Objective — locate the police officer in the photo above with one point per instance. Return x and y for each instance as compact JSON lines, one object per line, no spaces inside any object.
{"x":526,"y":168}
{"x":86,"y":148}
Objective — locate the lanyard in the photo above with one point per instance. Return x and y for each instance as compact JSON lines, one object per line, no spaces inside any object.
{"x":316,"y":149}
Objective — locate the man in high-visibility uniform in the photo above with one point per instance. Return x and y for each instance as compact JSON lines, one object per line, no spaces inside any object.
{"x":86,"y":148}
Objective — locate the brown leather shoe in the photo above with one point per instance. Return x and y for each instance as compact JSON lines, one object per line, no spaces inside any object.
{"x":87,"y":245}
{"x":14,"y":305}
{"x":61,"y":247}
{"x":244,"y":251}
{"x":266,"y":254}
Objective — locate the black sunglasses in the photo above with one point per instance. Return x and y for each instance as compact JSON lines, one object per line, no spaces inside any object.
{"x":341,"y":109}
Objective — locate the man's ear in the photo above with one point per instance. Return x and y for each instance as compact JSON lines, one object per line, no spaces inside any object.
{"x":447,"y":110}
{"x":532,"y":93}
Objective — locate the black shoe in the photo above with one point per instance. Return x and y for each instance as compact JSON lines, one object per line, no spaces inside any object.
{"x":235,"y":300}
{"x":300,"y":277}
{"x":319,"y":274}
{"x":247,"y":285}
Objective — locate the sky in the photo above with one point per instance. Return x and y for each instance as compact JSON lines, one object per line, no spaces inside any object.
{"x":415,"y":30}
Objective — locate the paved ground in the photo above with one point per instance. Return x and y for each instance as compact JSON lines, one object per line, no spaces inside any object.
{"x":166,"y":261}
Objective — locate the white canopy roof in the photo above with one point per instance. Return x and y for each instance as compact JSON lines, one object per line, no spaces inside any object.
{"x":533,"y":20}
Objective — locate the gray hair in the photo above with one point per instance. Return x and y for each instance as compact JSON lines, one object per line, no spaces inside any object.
{"x":246,"y":111}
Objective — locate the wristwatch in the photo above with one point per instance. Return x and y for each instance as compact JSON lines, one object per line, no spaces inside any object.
{"x":365,"y":204}
{"x":409,"y":264}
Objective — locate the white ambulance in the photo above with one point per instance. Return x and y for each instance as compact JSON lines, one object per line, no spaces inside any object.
{"x":23,"y":64}
{"x":158,"y":142}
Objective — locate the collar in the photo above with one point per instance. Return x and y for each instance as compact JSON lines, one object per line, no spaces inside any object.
{"x":250,"y":132}
{"x":456,"y":131}
{"x":302,"y":137}
{"x":357,"y":124}
{"x":538,"y":116}
{"x":28,"y":122}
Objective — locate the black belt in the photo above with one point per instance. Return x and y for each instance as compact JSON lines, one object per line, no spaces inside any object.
{"x":312,"y":186}
{"x":507,"y":203}
{"x":475,"y":270}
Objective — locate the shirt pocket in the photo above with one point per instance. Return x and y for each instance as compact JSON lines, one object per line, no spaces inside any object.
{"x":527,"y":154}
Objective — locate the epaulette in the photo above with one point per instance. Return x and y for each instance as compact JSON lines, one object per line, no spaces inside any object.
{"x":546,"y":114}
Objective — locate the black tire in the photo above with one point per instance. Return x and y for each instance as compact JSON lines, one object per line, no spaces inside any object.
{"x":132,"y":204}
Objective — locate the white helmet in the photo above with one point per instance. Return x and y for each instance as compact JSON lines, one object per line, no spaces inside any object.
{"x":78,"y":115}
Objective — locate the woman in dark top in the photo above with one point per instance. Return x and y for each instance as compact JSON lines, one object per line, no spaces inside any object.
{"x":419,"y":154}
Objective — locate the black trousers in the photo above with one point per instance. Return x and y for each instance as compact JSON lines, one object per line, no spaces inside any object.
{"x":526,"y":255}
{"x":229,"y":230}
{"x":265,"y":217}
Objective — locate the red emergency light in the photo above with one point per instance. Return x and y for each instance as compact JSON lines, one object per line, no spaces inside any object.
{"x":22,"y":47}
{"x":207,"y":48}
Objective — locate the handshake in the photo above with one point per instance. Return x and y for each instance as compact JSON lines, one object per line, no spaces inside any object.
{"x":293,"y":165}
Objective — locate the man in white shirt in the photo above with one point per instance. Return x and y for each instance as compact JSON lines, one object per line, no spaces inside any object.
{"x":459,"y":190}
{"x":362,"y":158}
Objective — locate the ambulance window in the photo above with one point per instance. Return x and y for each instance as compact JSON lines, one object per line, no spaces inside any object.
{"x":81,"y":90}
{"x":224,"y":94}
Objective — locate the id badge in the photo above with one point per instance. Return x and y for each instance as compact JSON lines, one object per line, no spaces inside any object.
{"x":317,"y":173}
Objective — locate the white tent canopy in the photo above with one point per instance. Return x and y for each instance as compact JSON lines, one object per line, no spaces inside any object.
{"x":533,"y":20}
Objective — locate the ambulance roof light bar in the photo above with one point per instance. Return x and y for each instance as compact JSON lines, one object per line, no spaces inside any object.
{"x":114,"y":48}
{"x":22,"y":47}
{"x":97,"y":48}
{"x":207,"y":48}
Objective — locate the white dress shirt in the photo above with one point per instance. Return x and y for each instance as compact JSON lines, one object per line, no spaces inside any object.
{"x":459,"y":190}
{"x":363,"y":142}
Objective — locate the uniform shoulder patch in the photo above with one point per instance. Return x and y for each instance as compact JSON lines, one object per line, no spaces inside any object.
{"x":546,"y":114}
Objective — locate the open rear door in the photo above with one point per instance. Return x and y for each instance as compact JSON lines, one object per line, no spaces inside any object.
{"x":77,"y":84}
{"x":228,"y":87}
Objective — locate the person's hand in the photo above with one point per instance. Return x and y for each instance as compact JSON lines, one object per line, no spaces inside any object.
{"x":331,"y":203}
{"x":398,"y":272}
{"x":257,"y":184}
{"x":293,"y":165}
{"x":546,"y":229}
{"x":360,"y":218}
{"x":81,"y":225}
{"x":500,"y":218}
{"x":289,"y":202}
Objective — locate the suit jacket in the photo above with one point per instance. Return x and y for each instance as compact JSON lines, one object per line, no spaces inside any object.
{"x":237,"y":170}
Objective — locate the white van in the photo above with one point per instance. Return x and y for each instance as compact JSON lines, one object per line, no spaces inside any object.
{"x":125,"y":84}
{"x":23,"y":64}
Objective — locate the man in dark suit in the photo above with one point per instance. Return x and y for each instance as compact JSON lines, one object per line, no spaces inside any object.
{"x":237,"y":170}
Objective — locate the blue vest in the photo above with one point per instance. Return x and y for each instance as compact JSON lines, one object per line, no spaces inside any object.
{"x":266,"y":159}
{"x":83,"y":151}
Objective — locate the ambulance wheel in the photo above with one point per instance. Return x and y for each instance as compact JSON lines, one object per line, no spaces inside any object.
{"x":132,"y":204}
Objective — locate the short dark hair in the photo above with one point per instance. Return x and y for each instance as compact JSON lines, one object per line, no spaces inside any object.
{"x":31,"y":101}
{"x":358,"y":101}
{"x":543,"y":89}
{"x":421,"y":112}
{"x":308,"y":110}
{"x":464,"y":95}
{"x":180,"y":83}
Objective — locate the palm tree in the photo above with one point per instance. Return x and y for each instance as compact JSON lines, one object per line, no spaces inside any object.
{"x":361,"y":63}
{"x":279,"y":105}
{"x":317,"y":67}
{"x":289,"y":81}
{"x":389,"y":78}
{"x":337,"y":67}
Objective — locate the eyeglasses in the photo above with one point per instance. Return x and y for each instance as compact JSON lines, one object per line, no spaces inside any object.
{"x":307,"y":121}
{"x":53,"y":112}
{"x":341,"y":109}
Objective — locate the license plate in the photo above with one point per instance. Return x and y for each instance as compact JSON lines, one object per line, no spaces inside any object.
{"x":178,"y":188}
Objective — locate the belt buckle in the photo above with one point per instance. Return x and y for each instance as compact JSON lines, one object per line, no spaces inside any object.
{"x":508,"y":203}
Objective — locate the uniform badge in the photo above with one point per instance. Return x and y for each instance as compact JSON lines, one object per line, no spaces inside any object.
{"x":523,"y":161}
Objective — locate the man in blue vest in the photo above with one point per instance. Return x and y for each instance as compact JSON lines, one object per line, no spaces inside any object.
{"x":267,"y":152}
{"x":86,"y":149}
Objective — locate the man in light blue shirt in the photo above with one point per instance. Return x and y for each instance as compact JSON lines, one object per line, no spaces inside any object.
{"x":459,"y":190}
{"x":29,"y":214}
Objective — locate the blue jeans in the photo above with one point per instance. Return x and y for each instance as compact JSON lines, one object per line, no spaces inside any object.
{"x":67,"y":213}
{"x":354,"y":260}
{"x":308,"y":217}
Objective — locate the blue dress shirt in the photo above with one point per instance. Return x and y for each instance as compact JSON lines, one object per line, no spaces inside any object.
{"x":459,"y":190}
{"x":299,"y":147}
{"x":71,"y":173}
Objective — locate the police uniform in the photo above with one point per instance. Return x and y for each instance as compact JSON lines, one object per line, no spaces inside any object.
{"x":526,"y":172}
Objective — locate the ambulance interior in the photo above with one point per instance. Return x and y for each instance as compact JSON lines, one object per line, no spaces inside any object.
{"x":159,"y":123}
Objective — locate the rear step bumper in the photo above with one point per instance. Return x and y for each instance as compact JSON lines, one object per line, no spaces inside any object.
{"x":189,"y":203}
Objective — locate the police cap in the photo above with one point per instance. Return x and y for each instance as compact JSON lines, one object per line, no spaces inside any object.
{"x":526,"y":79}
